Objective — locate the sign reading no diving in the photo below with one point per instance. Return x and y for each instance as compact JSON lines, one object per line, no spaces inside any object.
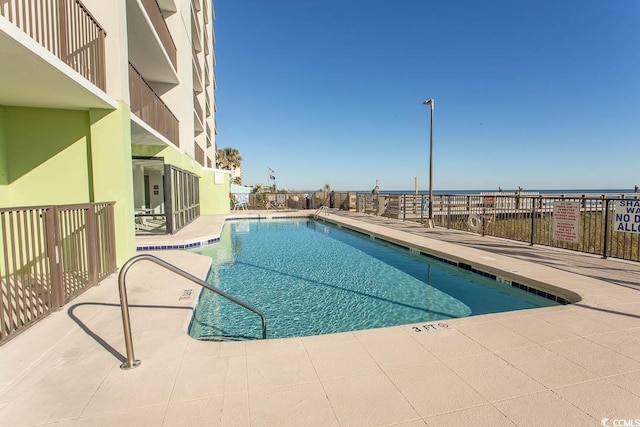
{"x":627,"y":215}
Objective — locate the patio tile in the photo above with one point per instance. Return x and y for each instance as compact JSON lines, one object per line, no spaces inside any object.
{"x":546,"y":367}
{"x":434,"y":389}
{"x":414,"y":423}
{"x":272,"y":346}
{"x":368,"y":400}
{"x":477,"y":416}
{"x":448,"y":344}
{"x":297,"y":405}
{"x":544,"y":409}
{"x":214,"y":411}
{"x":575,"y":322}
{"x":147,"y":416}
{"x":621,"y":342}
{"x":46,"y":401}
{"x":495,"y":336}
{"x":536,"y":329}
{"x":274,"y":370}
{"x":342,"y":359}
{"x":629,"y":381}
{"x":493,"y":378}
{"x":593,"y":357}
{"x":215,"y":376}
{"x":147,"y":385}
{"x":397,"y":351}
{"x":602,"y":399}
{"x":321,"y":340}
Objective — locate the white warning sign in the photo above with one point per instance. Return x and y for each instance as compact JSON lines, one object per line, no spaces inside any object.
{"x":627,"y":214}
{"x":566,"y":220}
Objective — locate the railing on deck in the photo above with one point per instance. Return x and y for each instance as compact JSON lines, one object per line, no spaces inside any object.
{"x":66,"y":29}
{"x":146,"y":104}
{"x":48,"y":256}
{"x":159,"y":24}
{"x":523,"y":217}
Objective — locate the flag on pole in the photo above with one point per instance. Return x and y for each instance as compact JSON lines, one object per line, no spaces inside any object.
{"x":271,"y":171}
{"x":272,"y":177}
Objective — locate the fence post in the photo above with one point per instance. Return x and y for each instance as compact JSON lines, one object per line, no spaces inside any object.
{"x":533,"y":222}
{"x":448,"y":212}
{"x":113,"y":260}
{"x":605,"y":246}
{"x":404,"y":207}
{"x":91,"y":242}
{"x":53,"y":250}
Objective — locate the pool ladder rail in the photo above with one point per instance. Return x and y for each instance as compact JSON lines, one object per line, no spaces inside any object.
{"x":124,"y":304}
{"x":319,"y":211}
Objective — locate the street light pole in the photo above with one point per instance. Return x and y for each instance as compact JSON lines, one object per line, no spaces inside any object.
{"x":431,"y":104}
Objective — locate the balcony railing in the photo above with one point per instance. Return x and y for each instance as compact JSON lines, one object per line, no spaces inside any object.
{"x":197,"y":107}
{"x":207,"y":78}
{"x":196,"y":31}
{"x":155,"y":14}
{"x":66,"y":29}
{"x":146,"y":104}
{"x":199,"y":152}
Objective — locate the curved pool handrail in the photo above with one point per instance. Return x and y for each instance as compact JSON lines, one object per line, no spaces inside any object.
{"x":124,"y":304}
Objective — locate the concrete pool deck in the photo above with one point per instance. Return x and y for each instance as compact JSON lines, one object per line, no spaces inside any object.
{"x":566,"y":365}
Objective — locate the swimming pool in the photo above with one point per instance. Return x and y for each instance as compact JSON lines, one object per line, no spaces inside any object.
{"x":310,"y":278}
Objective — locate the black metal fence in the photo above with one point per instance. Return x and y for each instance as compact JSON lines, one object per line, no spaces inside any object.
{"x":600,"y":225}
{"x":606,"y":226}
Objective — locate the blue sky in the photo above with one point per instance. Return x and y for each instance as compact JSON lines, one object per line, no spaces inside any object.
{"x":538,"y":94}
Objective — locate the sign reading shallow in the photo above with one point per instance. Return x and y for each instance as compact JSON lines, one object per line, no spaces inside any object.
{"x":627,"y":215}
{"x":566,"y":220}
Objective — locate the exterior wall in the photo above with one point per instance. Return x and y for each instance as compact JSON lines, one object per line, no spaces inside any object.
{"x":112,"y":172}
{"x":217,"y":199}
{"x":112,"y":18}
{"x":46,"y":163}
{"x":4,"y":165}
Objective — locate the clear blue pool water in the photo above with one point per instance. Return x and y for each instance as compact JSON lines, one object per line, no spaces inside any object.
{"x":312,"y":278}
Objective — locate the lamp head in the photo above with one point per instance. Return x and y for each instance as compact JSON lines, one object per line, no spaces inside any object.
{"x":428,"y":102}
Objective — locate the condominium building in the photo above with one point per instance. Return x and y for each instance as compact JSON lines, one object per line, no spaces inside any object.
{"x":111,"y":101}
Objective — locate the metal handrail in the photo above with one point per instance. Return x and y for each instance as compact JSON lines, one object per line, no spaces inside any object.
{"x":124,"y":304}
{"x":319,"y":211}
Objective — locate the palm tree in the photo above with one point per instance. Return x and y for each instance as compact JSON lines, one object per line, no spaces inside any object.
{"x":229,"y":159}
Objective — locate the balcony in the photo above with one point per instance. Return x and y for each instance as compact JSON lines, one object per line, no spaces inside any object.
{"x":199,"y":153}
{"x":197,"y":108}
{"x":147,"y":105}
{"x":66,"y":29}
{"x":207,"y":47}
{"x":208,"y":132}
{"x":197,"y":74}
{"x":150,"y":45}
{"x":207,"y":104}
{"x":159,"y":24}
{"x":207,"y":78}
{"x":196,"y":31}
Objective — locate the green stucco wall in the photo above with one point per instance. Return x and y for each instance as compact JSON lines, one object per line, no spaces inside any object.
{"x":4,"y":172}
{"x":46,"y":156}
{"x":112,"y":176}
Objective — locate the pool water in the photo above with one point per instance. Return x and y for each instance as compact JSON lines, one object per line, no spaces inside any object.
{"x":312,"y":278}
